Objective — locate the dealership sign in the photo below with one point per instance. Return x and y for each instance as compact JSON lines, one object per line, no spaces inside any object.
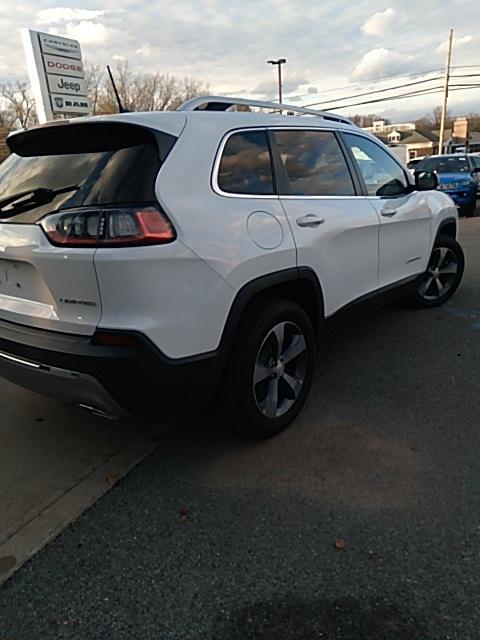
{"x":57,"y":74}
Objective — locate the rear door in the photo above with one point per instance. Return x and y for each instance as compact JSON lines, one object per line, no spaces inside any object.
{"x":405,"y":217}
{"x":336,"y":232}
{"x":45,"y":286}
{"x":83,"y":169}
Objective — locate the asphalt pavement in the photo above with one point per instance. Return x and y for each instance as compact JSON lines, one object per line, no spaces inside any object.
{"x":360,"y":522}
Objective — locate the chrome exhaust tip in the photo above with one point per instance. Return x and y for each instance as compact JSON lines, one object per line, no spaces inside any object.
{"x":98,"y":412}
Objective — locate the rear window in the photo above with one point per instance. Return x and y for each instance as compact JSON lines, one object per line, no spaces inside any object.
{"x":104,"y":164}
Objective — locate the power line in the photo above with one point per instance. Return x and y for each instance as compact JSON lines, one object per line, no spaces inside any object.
{"x":466,"y":75}
{"x":411,"y":94}
{"x":368,"y":93}
{"x":465,"y":66}
{"x":400,"y":86}
{"x":398,"y":75}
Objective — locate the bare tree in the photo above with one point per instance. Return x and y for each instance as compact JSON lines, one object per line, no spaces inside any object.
{"x":432,"y":123}
{"x":474,"y":121}
{"x":437,"y":117}
{"x":19,"y":109}
{"x":368,"y":119}
{"x":146,"y":91}
{"x":94,"y":76}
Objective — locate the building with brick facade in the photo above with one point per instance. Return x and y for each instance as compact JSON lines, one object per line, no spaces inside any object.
{"x":420,"y":142}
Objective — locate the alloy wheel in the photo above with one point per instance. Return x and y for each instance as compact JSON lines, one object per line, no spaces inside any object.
{"x":440,"y":275}
{"x":280,"y":369}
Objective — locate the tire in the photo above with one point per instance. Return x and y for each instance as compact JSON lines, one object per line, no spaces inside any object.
{"x":265,"y":408}
{"x":443,"y":275}
{"x":468,"y":210}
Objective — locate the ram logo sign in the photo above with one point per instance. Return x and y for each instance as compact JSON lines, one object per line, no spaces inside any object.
{"x":57,"y":74}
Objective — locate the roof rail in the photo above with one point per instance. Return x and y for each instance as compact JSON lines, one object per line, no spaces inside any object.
{"x":221,"y":103}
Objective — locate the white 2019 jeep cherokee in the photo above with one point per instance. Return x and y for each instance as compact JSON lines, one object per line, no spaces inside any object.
{"x":148,"y":260}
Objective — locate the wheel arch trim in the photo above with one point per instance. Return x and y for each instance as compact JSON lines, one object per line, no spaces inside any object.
{"x":444,"y":223}
{"x":263,"y":284}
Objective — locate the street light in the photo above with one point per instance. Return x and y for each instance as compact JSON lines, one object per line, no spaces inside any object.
{"x":279,"y":63}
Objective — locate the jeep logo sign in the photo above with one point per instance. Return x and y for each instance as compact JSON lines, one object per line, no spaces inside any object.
{"x":64,"y":84}
{"x":57,"y":74}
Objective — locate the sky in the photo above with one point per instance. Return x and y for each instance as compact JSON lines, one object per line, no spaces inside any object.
{"x":334,"y":48}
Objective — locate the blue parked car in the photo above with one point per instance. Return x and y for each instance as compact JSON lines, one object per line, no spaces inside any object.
{"x":458,"y":176}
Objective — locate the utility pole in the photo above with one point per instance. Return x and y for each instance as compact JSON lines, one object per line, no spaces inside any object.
{"x":279,"y":63}
{"x":445,"y":91}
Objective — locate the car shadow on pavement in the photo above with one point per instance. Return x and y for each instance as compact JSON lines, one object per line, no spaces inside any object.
{"x":339,"y":619}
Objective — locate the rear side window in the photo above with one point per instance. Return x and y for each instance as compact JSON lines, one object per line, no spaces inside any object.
{"x":314,"y":163}
{"x":103,"y":165}
{"x":246,"y":165}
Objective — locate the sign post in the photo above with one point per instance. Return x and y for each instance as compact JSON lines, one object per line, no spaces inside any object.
{"x":57,"y":74}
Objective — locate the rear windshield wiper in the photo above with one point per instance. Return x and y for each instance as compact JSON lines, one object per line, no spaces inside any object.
{"x":38,"y":196}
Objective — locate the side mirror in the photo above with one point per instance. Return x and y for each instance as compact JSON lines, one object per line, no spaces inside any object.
{"x":476,"y":170}
{"x":426,"y":180}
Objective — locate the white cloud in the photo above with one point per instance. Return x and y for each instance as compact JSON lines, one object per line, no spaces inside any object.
{"x":65,"y":14}
{"x":457,"y":42}
{"x":379,"y":23}
{"x":269,"y":88}
{"x":379,"y":63}
{"x":186,"y":40}
{"x":145,"y":50}
{"x":117,"y":56}
{"x":88,"y":32}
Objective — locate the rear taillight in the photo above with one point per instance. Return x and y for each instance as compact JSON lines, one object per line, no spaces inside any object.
{"x":119,"y":227}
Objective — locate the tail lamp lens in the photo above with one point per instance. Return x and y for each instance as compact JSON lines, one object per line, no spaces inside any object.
{"x":126,"y":226}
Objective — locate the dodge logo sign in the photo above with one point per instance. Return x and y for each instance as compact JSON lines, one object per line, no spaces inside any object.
{"x":63,"y":66}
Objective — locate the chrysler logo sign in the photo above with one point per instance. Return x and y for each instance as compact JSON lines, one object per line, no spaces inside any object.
{"x":59,"y":46}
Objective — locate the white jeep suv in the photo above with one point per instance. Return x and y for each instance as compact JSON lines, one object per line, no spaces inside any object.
{"x":149,"y":261}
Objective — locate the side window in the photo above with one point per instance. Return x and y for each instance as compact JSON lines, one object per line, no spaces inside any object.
{"x":476,"y":162}
{"x":314,"y":163}
{"x":382,"y":175}
{"x":246,"y":165}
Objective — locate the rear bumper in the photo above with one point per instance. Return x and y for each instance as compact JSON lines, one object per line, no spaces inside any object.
{"x":70,"y":386}
{"x":136,"y":380}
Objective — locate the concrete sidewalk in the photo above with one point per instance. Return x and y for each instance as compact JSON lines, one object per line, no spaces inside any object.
{"x":55,"y":461}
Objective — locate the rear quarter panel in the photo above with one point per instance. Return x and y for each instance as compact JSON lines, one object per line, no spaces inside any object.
{"x":215,"y":226}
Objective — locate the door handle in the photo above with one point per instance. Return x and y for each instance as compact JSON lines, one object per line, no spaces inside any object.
{"x":310,"y":220}
{"x":388,"y":213}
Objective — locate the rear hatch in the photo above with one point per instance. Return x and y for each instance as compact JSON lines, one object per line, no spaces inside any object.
{"x":79,"y":167}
